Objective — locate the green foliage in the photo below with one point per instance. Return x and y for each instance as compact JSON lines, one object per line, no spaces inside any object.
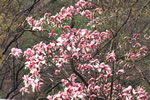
{"x":28,"y":40}
{"x":146,"y":85}
{"x":56,"y":89}
{"x":148,"y":31}
{"x":1,"y":94}
{"x":26,"y":71}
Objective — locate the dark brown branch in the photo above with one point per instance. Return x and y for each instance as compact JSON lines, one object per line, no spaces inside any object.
{"x":49,"y":90}
{"x":18,"y":71}
{"x":14,"y":95}
{"x":4,"y":62}
{"x":79,"y":75}
{"x":143,"y":75}
{"x":16,"y":83}
{"x":1,"y":85}
{"x":13,"y":89}
{"x":113,"y":70}
{"x":39,"y":35}
{"x":17,"y":36}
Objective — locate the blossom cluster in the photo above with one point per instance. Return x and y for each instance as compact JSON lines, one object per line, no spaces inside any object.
{"x":140,"y":50}
{"x":59,"y":19}
{"x":74,"y":48}
{"x":72,"y":90}
{"x":16,"y":52}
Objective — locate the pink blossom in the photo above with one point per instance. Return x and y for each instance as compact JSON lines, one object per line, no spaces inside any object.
{"x":36,"y":84}
{"x":30,"y":20}
{"x":87,"y":14}
{"x":37,"y":28}
{"x":140,"y":93}
{"x":75,"y":55}
{"x":143,"y":50}
{"x":121,"y":71}
{"x":111,"y":56}
{"x":137,"y":45}
{"x":52,"y":33}
{"x":57,"y":71}
{"x":136,"y":35}
{"x":67,"y":56}
{"x":16,"y":52}
{"x":104,"y":35}
{"x":125,"y":65}
{"x":91,"y":80}
{"x":50,"y":97}
{"x":73,"y":91}
{"x":67,"y":28}
{"x":24,"y":89}
{"x":83,"y":4}
{"x":129,"y":88}
{"x":133,"y":56}
{"x":92,"y":96}
{"x":99,"y":10}
{"x":29,"y":52}
{"x":47,"y":15}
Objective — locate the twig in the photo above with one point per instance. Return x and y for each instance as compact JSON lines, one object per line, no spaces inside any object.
{"x":49,"y":90}
{"x":80,"y":76}
{"x":142,"y":74}
{"x":13,"y":89}
{"x":1,"y":85}
{"x":17,"y":36}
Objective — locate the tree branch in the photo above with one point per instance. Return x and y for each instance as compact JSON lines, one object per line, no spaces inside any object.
{"x":79,"y":75}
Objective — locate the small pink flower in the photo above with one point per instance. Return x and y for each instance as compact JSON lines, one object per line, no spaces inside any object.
{"x":16,"y":52}
{"x":121,"y":71}
{"x":129,"y":88}
{"x":75,"y":55}
{"x":67,"y":56}
{"x":99,"y":10}
{"x":37,"y":28}
{"x":42,"y":20}
{"x":57,"y":71}
{"x":136,"y":36}
{"x":92,"y":96}
{"x":87,"y":14}
{"x":137,"y":45}
{"x":67,"y":28}
{"x":30,"y":21}
{"x":143,"y":50}
{"x":52,"y":33}
{"x":111,"y":56}
{"x":47,"y":15}
{"x":128,"y":77}
{"x":133,"y":56}
{"x":103,"y":35}
{"x":96,"y":88}
{"x":91,"y":80}
{"x":24,"y":89}
{"x":50,"y":97}
{"x":29,"y":52}
{"x":108,"y":75}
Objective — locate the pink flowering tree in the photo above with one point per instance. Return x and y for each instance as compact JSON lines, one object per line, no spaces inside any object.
{"x":87,"y":60}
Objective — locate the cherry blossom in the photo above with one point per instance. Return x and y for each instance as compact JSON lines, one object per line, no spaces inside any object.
{"x":16,"y":52}
{"x":111,"y":56}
